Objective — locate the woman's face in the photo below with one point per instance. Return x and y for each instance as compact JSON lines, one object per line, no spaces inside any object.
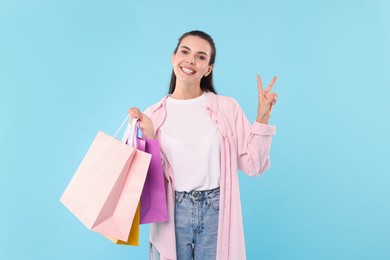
{"x":191,"y":61}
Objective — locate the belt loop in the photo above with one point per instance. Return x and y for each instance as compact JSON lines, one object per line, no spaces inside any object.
{"x":179,"y":196}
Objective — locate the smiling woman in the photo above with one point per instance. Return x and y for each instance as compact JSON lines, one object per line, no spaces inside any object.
{"x":192,"y":61}
{"x":205,"y":138}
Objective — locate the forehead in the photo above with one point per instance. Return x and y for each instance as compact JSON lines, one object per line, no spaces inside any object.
{"x":196,"y":44}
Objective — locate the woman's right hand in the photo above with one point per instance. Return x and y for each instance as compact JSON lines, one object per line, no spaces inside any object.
{"x":145,"y":123}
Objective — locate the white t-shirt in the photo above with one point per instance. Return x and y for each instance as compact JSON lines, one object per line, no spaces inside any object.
{"x":191,"y":144}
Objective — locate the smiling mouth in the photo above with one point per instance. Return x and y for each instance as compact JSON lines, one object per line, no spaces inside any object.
{"x":187,"y":71}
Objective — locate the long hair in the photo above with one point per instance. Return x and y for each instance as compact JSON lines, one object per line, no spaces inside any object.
{"x":206,"y":83}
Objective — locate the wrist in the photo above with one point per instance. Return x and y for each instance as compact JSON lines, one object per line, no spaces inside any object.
{"x":262,"y":120}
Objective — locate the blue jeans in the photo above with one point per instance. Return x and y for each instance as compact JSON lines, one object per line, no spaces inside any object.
{"x":196,"y":225}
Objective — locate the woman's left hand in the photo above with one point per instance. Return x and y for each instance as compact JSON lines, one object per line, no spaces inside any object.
{"x":267,"y":100}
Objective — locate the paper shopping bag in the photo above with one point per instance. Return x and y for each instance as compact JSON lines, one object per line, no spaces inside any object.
{"x":105,"y":191}
{"x":153,"y":198}
{"x":132,"y":240}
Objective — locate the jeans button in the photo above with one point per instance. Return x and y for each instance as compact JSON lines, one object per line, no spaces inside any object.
{"x":195,"y":194}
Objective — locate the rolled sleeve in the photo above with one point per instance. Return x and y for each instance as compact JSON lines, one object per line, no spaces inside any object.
{"x":263,"y":129}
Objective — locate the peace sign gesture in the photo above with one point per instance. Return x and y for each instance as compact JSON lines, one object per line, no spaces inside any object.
{"x":267,"y":100}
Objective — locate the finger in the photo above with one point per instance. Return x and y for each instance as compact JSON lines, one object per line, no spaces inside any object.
{"x":270,"y":85}
{"x":260,"y":85}
{"x":270,"y":102}
{"x":271,"y":106}
{"x":271,"y":96}
{"x":130,"y":112}
{"x":134,"y":113}
{"x":133,"y":109}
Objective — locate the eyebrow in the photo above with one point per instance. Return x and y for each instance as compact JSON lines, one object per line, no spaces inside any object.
{"x":200,"y":52}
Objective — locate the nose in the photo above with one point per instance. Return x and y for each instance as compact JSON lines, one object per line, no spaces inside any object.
{"x":191,"y":61}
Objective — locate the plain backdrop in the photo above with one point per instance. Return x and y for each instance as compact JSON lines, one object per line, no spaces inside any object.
{"x":71,"y":68}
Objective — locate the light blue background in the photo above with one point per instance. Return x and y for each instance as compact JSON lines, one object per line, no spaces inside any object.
{"x":71,"y":68}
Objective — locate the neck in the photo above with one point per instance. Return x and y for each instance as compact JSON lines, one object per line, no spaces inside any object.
{"x":186,"y":91}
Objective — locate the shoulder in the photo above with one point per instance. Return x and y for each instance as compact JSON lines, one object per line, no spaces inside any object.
{"x":152,"y":109}
{"x":224,"y":102}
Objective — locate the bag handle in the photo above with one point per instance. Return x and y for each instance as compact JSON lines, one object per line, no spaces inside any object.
{"x":124,"y":121}
{"x":131,"y":132}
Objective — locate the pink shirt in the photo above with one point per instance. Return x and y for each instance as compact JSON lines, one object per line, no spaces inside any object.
{"x":243,"y":146}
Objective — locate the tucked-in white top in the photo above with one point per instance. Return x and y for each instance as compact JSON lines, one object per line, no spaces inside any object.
{"x":191,"y":144}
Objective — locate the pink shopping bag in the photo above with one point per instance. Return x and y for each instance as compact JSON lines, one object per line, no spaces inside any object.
{"x":153,"y":198}
{"x":105,"y":191}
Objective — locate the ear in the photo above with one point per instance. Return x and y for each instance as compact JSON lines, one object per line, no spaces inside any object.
{"x":209,"y":70}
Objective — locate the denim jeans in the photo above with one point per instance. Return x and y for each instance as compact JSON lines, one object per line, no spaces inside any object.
{"x":196,"y":225}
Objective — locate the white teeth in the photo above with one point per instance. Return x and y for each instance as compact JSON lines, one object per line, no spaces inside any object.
{"x":187,"y":70}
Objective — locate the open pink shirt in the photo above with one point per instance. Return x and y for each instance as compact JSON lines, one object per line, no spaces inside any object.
{"x":243,"y":146}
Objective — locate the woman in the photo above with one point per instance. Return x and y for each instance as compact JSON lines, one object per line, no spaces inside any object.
{"x":205,"y":138}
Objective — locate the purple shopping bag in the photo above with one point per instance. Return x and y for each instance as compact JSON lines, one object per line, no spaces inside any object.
{"x":153,"y":197}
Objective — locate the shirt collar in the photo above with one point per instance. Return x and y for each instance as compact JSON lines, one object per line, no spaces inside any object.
{"x":159,"y":104}
{"x":212,"y":103}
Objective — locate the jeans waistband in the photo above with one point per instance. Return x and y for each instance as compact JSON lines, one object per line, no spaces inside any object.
{"x":196,"y":195}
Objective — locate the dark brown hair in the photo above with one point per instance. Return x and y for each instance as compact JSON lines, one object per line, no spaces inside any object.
{"x":206,"y":83}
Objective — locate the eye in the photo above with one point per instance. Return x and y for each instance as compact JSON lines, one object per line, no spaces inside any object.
{"x":184,"y":51}
{"x":201,"y":57}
